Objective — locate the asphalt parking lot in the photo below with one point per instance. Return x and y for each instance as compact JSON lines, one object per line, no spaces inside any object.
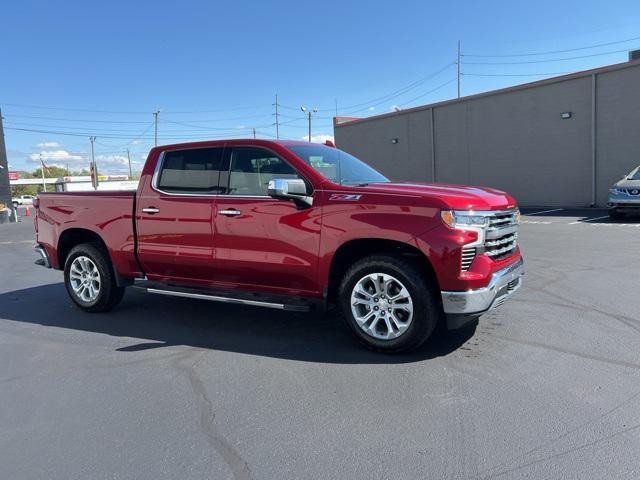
{"x":547,"y":386}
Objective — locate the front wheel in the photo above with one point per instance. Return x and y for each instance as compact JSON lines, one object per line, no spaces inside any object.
{"x":89,"y":279}
{"x":388,"y":304}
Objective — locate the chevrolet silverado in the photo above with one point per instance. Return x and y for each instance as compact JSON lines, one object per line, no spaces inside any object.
{"x":292,"y":226}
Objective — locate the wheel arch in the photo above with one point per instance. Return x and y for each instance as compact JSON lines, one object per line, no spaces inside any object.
{"x":354,"y":250}
{"x":71,"y":237}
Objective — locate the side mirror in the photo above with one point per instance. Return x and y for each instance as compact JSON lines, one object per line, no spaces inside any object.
{"x":290,"y":189}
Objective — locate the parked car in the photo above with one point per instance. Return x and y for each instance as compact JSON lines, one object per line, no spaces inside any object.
{"x":624,"y":196}
{"x":22,"y":200}
{"x":291,"y":226}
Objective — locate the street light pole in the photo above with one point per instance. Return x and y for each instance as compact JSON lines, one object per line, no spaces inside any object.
{"x":313,"y":110}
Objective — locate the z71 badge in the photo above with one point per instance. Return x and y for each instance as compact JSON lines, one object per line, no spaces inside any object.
{"x":349,"y":197}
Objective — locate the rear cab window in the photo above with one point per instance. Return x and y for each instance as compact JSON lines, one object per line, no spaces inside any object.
{"x":191,"y":171}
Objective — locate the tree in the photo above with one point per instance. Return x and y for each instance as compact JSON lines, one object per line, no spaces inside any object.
{"x":50,"y":172}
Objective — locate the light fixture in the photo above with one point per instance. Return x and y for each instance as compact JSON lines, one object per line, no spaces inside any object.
{"x":565,"y":115}
{"x":394,"y":140}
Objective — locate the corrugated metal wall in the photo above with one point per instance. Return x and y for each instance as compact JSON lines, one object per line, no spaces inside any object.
{"x":515,"y":140}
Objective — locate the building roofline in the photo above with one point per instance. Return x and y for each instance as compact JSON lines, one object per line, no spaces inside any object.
{"x":514,"y":88}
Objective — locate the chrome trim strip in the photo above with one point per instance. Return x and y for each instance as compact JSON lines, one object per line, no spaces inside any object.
{"x":215,"y":298}
{"x":486,"y":213}
{"x":475,"y":302}
{"x":156,"y":174}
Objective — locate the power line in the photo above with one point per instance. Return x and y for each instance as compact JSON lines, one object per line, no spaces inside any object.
{"x":550,"y":52}
{"x":546,"y":61}
{"x":389,"y":96}
{"x":429,"y":92}
{"x":148,"y":137}
{"x":42,"y":107}
{"x":514,"y":74}
{"x":66,"y":119}
{"x":72,"y":119}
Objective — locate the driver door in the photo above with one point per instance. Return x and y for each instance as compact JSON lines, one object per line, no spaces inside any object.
{"x":261,"y":243}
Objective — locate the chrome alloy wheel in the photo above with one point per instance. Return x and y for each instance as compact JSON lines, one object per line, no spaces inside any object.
{"x":85,"y":278}
{"x":382,"y":306}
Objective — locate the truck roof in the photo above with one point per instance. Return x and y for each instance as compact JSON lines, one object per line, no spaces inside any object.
{"x":243,"y":141}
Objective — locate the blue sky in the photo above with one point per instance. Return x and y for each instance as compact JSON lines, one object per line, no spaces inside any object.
{"x":213,"y":68}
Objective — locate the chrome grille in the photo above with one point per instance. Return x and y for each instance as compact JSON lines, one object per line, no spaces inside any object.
{"x":501,"y":246}
{"x":468,"y":254}
{"x":503,"y":219}
{"x":502,"y":235}
{"x":500,"y":238}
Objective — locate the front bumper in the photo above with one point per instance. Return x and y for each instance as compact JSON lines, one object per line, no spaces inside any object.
{"x":624,"y":200}
{"x":503,"y":284}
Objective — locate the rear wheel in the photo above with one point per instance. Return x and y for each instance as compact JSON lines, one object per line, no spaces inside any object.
{"x":615,"y":214}
{"x":89,"y":279}
{"x":388,"y":304}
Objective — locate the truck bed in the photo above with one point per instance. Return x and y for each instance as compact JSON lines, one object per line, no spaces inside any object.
{"x":107,"y":214}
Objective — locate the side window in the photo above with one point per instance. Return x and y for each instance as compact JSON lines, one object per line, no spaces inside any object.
{"x":252,"y":168}
{"x":191,"y":171}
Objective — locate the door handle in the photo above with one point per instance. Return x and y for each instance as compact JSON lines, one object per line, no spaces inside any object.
{"x":230,"y":212}
{"x":151,"y":210}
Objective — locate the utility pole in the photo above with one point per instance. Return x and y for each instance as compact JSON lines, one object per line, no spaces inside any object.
{"x":94,"y":167}
{"x":277,"y":117}
{"x":313,"y":110}
{"x":155,"y":119}
{"x":129,"y":160}
{"x":44,"y":184}
{"x":458,"y":64}
{"x":254,"y":132}
{"x":5,"y":184}
{"x":336,"y":102}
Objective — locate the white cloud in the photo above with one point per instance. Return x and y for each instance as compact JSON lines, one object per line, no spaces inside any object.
{"x":48,"y":145}
{"x":319,"y":138}
{"x":56,"y":155}
{"x":371,"y":109}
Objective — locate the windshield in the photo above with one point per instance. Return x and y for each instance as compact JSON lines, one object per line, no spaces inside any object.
{"x":337,"y":166}
{"x":634,"y":175}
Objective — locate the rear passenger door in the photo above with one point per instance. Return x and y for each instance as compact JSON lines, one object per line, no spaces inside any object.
{"x":175,"y":216}
{"x":262,"y":243}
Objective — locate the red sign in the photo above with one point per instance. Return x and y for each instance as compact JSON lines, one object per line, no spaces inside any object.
{"x":13,"y":175}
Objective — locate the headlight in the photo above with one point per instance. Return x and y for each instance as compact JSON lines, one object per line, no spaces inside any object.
{"x":463,"y":220}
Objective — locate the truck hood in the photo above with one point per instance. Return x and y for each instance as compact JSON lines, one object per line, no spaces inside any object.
{"x":455,"y":197}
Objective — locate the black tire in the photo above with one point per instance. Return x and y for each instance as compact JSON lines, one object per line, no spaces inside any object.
{"x":614,"y":214}
{"x":109,"y":294}
{"x":427,"y":312}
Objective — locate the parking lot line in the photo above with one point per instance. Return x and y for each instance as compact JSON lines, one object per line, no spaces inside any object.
{"x":18,"y":241}
{"x":589,"y":220}
{"x":545,"y":211}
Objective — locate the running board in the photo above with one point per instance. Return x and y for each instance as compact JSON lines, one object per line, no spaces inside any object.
{"x":235,"y":300}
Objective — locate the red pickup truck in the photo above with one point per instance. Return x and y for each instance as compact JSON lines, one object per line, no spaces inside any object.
{"x":293,"y":226}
